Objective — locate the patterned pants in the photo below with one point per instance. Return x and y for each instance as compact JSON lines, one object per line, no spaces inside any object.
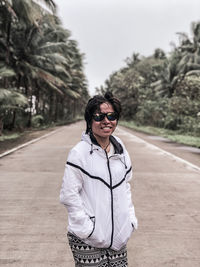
{"x":87,"y":256}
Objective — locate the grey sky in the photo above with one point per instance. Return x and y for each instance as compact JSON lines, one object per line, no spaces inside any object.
{"x":109,"y":31}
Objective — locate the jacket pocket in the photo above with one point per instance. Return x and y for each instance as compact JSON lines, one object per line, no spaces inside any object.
{"x":97,"y":236}
{"x":93,"y":220}
{"x":124,"y":232}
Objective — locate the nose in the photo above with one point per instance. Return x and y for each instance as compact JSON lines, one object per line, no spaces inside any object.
{"x":106,"y":120}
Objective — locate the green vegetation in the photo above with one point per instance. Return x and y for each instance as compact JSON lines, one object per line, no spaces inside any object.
{"x":42,"y":80}
{"x":172,"y":135}
{"x":162,"y":90}
{"x":9,"y":137}
{"x":185,"y":139}
{"x":42,"y":76}
{"x":13,"y":137}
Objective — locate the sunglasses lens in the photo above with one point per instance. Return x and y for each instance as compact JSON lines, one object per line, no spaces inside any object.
{"x":111,"y":116}
{"x":98,"y":117}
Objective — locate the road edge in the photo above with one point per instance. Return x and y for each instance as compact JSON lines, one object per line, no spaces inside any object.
{"x":177,"y":158}
{"x":8,"y":152}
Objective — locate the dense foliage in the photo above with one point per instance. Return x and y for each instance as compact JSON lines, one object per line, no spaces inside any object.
{"x":162,"y":90}
{"x":41,"y":68}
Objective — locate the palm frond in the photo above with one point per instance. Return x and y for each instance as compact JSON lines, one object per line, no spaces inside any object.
{"x":10,"y":99}
{"x":61,"y":70}
{"x":193,"y":72}
{"x":57,"y":58}
{"x":6,"y":71}
{"x":19,"y":99}
{"x":193,"y":66}
{"x":58,"y":34}
{"x":4,"y":93}
{"x":27,"y":11}
{"x":51,"y":47}
{"x":156,"y":84}
{"x":72,"y":93}
{"x":51,"y":86}
{"x":51,"y":4}
{"x":50,"y":78}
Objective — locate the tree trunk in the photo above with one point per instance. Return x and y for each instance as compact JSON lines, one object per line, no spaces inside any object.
{"x":1,"y":126}
{"x":74,"y":109}
{"x":8,"y":29}
{"x":56,"y":104}
{"x":30,"y":112}
{"x":13,"y":120}
{"x":51,"y":108}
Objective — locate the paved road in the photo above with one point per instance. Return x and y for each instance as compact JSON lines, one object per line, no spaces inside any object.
{"x":33,"y":223}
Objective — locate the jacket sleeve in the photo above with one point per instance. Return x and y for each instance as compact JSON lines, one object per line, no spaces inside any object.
{"x":129,"y":194}
{"x":79,"y":221}
{"x":131,"y":206}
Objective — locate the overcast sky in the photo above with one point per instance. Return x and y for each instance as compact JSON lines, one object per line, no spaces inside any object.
{"x":109,"y":31}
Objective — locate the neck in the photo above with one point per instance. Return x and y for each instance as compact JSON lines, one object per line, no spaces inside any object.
{"x":103,"y":141}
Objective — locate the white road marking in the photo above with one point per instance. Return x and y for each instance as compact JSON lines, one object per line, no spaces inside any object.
{"x":28,"y":143}
{"x":122,"y":132}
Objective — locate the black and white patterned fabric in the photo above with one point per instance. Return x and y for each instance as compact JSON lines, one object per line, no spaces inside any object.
{"x":87,"y":256}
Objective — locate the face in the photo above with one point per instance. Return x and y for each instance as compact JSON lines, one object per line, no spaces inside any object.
{"x":104,"y":128}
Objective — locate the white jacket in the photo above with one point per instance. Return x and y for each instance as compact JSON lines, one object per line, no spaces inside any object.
{"x":96,"y":193}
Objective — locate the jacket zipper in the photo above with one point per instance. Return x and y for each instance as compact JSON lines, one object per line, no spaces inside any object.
{"x":111,"y":192}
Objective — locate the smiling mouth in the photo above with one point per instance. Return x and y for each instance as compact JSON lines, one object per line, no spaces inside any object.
{"x":106,"y":128}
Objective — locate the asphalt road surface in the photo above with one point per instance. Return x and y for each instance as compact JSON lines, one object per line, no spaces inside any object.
{"x":166,"y":194}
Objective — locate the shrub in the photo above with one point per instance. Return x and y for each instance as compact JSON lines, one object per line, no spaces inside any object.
{"x":37,"y":121}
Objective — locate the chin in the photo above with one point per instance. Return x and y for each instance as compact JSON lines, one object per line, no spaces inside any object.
{"x":106,"y":134}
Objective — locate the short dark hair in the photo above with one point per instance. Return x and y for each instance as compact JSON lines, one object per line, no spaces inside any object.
{"x":93,"y":106}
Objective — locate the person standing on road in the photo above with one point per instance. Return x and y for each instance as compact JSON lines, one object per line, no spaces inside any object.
{"x":96,"y":190}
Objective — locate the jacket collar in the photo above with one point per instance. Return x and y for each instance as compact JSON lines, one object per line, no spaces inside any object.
{"x":117,"y":146}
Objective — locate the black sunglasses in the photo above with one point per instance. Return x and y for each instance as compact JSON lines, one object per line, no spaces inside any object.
{"x":111,"y":116}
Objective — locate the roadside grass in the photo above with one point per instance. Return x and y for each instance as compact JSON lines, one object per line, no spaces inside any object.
{"x":8,"y":136}
{"x":12,"y":136}
{"x":174,"y":136}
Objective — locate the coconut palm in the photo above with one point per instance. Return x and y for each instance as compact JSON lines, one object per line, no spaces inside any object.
{"x":190,"y":49}
{"x":10,"y":101}
{"x":26,"y":23}
{"x":45,"y":61}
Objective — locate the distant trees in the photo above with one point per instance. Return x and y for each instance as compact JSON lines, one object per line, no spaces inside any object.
{"x":162,"y":90}
{"x":41,"y":67}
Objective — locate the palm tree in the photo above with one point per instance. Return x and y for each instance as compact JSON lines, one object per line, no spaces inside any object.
{"x":190,"y":49}
{"x":10,"y":101}
{"x":133,"y":60}
{"x":11,"y":13}
{"x":125,"y":84}
{"x":44,"y":61}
